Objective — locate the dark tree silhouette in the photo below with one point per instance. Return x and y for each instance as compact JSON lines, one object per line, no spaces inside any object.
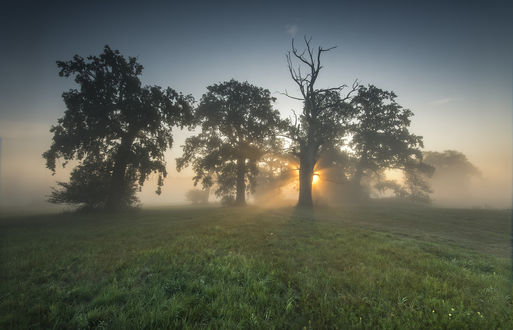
{"x":238,"y":124}
{"x":323,"y":121}
{"x":381,"y":137}
{"x":116,"y":129}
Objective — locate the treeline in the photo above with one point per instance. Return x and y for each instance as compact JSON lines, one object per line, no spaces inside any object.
{"x":117,"y":131}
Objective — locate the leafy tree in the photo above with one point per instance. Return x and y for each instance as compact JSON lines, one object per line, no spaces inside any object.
{"x":453,"y":176}
{"x":451,"y":164}
{"x":238,"y":124}
{"x":323,"y":121}
{"x":197,"y":196}
{"x":89,"y":186}
{"x":379,"y":138}
{"x":382,"y":140}
{"x":116,"y":129}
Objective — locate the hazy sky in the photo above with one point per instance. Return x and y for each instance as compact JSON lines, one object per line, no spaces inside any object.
{"x":450,"y":62}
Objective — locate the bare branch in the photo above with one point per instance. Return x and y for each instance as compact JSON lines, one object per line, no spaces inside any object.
{"x":292,"y":97}
{"x":354,"y":88}
{"x":324,"y":90}
{"x":301,"y":56}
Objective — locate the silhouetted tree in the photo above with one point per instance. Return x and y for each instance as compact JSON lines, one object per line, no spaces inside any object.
{"x":323,"y":121}
{"x":116,"y":129}
{"x":197,"y":196}
{"x":238,"y":124}
{"x":382,"y":140}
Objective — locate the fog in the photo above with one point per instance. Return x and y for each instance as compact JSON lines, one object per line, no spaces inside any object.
{"x":25,"y":182}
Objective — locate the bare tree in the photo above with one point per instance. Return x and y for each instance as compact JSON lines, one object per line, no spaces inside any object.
{"x":325,"y":116}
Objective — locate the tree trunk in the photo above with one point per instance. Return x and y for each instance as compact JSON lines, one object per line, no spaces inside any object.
{"x":359,"y":193}
{"x":240,"y":199}
{"x":118,"y":184}
{"x":306,"y":167}
{"x":357,"y":178}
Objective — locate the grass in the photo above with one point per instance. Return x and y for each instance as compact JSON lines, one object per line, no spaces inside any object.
{"x":353,"y":267}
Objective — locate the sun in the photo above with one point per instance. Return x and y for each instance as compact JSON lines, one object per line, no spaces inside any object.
{"x":315,"y":178}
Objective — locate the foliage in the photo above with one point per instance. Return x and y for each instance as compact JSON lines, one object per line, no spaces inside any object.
{"x":381,"y":137}
{"x":197,"y":196}
{"x":115,"y":126}
{"x":88,"y":186}
{"x":238,"y":125}
{"x":452,"y":179}
{"x":379,"y":140}
{"x":451,"y":163}
{"x":353,"y":267}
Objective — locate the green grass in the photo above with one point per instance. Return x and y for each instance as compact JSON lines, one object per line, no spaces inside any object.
{"x":355,"y":267}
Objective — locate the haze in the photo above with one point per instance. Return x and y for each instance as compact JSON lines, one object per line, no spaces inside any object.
{"x":450,"y":64}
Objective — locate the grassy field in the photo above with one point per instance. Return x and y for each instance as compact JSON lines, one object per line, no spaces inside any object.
{"x":354,"y":267}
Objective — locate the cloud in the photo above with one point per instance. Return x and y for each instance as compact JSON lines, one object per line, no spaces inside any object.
{"x":291,"y":30}
{"x":442,"y":101}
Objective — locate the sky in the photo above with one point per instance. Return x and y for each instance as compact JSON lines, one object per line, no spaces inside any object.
{"x":449,"y":62}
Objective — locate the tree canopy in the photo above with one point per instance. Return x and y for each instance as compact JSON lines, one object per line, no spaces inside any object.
{"x":381,"y":137}
{"x":197,"y":196}
{"x":377,"y":139}
{"x":115,"y":128}
{"x":238,"y":124}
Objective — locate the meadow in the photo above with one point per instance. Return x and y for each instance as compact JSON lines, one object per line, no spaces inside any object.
{"x":363,"y":267}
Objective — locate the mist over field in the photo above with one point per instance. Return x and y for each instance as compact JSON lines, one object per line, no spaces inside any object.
{"x":26,"y":182}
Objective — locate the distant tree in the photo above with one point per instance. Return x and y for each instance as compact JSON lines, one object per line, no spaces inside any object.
{"x":414,"y":187}
{"x":324,"y":118}
{"x":398,"y":190}
{"x":451,"y":165}
{"x":238,"y":125}
{"x":197,"y":196}
{"x":381,"y":137}
{"x":116,"y":129}
{"x":453,"y":176}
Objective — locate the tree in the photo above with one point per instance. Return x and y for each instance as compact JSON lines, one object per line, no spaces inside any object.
{"x":451,"y":164}
{"x":89,"y":186}
{"x":382,"y":140}
{"x":238,"y":124}
{"x":116,"y":129}
{"x":324,"y":118}
{"x":196,"y":196}
{"x":452,"y":179}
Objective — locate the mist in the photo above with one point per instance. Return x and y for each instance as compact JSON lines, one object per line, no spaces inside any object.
{"x":25,"y":182}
